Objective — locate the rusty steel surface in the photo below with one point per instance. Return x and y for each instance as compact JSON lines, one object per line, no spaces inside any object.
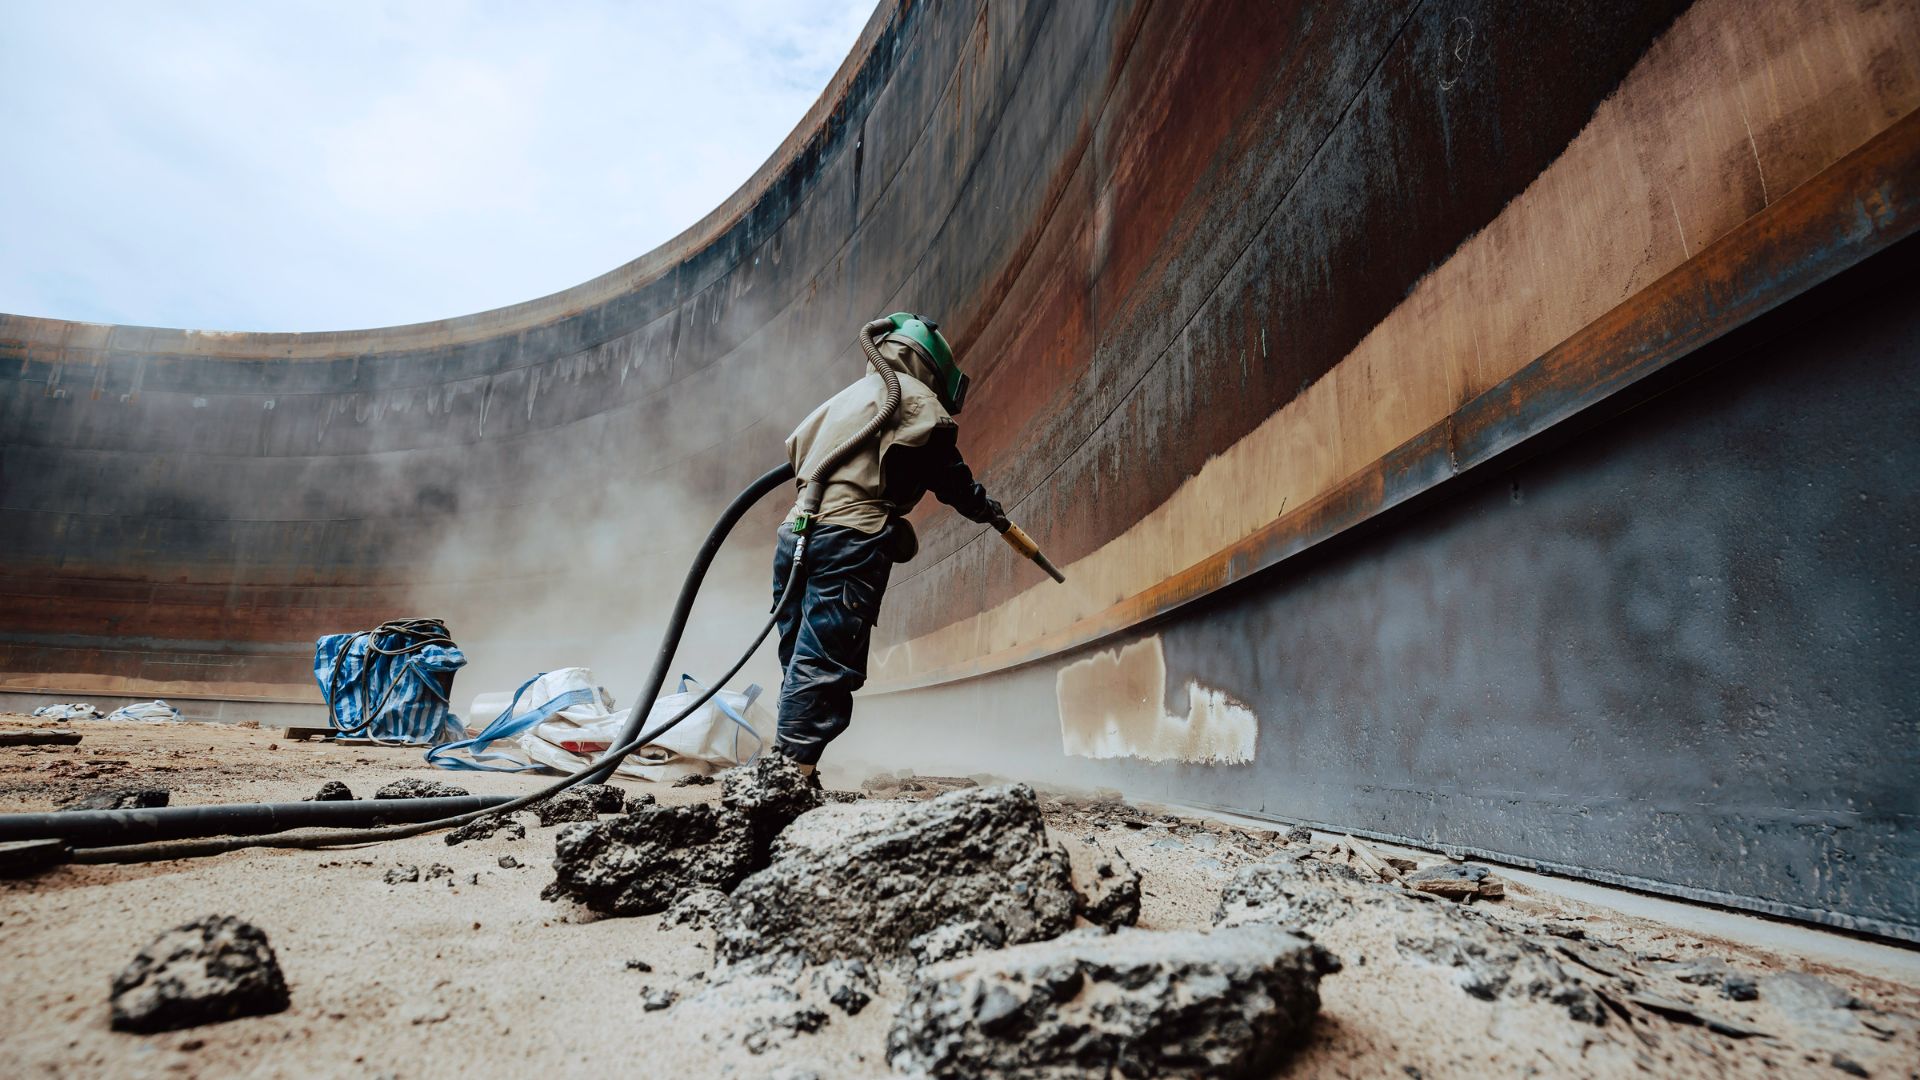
{"x":1235,"y":280}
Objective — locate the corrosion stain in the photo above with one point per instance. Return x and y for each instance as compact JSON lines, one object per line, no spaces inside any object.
{"x":1112,"y":704}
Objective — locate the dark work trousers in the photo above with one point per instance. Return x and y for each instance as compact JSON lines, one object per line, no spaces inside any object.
{"x":825,"y":632}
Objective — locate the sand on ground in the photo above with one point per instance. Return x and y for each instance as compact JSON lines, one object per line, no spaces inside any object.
{"x":471,"y":974}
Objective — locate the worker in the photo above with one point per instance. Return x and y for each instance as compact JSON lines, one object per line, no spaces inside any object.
{"x":860,"y":530}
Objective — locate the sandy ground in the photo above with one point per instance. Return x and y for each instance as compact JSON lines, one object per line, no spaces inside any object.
{"x":471,"y":974}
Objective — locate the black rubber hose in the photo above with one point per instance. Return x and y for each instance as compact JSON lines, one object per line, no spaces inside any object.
{"x":690,"y":586}
{"x":99,"y":828}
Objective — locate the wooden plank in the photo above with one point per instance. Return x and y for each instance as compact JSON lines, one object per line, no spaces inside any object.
{"x":27,"y":856}
{"x":39,"y":737}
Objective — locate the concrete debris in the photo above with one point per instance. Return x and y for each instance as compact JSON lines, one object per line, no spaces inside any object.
{"x":585,"y":802}
{"x":1299,"y":834}
{"x":655,"y":998}
{"x":1714,"y":974}
{"x":506,"y":826}
{"x":331,"y":791}
{"x":761,"y":1012}
{"x":770,"y":793}
{"x":876,"y":875}
{"x":693,"y":780}
{"x":638,"y":864}
{"x":439,"y":870}
{"x":908,"y":786}
{"x":842,"y":796}
{"x":1134,"y":1003}
{"x":412,"y":788}
{"x":123,"y":799}
{"x":400,"y":874}
{"x":639,"y":965}
{"x":1106,"y":887}
{"x":1811,"y":1001}
{"x":847,"y":984}
{"x":953,"y":941}
{"x":508,"y":862}
{"x":1847,"y":1065}
{"x":1465,"y":882}
{"x":695,"y":909}
{"x":1490,"y":961}
{"x":212,"y":969}
{"x":1286,"y":890}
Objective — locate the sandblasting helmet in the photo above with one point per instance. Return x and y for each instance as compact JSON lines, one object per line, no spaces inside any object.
{"x":923,"y":336}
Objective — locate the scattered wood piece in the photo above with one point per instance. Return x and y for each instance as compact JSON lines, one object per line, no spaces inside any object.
{"x":1372,"y":861}
{"x":302,"y":734}
{"x":1464,"y":882}
{"x":18,"y":857}
{"x":39,"y":737}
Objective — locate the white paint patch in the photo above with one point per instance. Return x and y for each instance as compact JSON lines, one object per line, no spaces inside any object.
{"x":1112,"y":705}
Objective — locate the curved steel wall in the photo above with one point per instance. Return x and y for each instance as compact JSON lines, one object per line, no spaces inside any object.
{"x":1234,"y":279}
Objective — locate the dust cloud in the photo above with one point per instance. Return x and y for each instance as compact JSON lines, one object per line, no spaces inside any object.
{"x":578,"y":560}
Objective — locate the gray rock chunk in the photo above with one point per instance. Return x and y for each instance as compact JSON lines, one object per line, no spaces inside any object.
{"x":1810,"y":1000}
{"x":1134,"y":1003}
{"x":413,"y":788}
{"x":123,"y":799}
{"x":655,"y":998}
{"x":955,"y":940}
{"x":847,"y":984}
{"x":759,"y":1011}
{"x":1489,"y":962}
{"x":212,"y":969}
{"x":771,"y":792}
{"x":638,"y":864}
{"x":331,"y":791}
{"x":582,"y":802}
{"x":876,"y":875}
{"x":507,"y":826}
{"x":1285,"y":890}
{"x":1106,"y":888}
{"x":694,"y":909}
{"x":401,"y":874}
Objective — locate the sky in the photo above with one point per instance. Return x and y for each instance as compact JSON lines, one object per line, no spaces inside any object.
{"x":343,"y":164}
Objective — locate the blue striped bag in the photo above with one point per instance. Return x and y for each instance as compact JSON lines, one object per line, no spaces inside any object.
{"x":392,"y":683}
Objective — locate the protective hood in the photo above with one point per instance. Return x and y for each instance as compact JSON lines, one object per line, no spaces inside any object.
{"x":856,"y":491}
{"x":923,"y":336}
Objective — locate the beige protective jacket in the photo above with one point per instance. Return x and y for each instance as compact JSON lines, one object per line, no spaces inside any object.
{"x":855,"y":491}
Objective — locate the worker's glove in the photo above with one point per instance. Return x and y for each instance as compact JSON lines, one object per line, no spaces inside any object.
{"x":1000,"y":523}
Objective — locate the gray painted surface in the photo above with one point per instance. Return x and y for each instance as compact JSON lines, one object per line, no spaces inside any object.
{"x":1678,"y":654}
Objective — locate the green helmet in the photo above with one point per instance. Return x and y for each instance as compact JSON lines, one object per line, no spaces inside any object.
{"x":923,"y":336}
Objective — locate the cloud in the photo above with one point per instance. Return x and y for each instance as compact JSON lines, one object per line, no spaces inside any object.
{"x":327,"y":165}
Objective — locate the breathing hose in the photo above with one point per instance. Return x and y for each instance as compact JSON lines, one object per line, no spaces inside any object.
{"x":813,"y":491}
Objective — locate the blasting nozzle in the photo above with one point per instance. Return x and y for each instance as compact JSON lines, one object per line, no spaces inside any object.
{"x":1018,"y":540}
